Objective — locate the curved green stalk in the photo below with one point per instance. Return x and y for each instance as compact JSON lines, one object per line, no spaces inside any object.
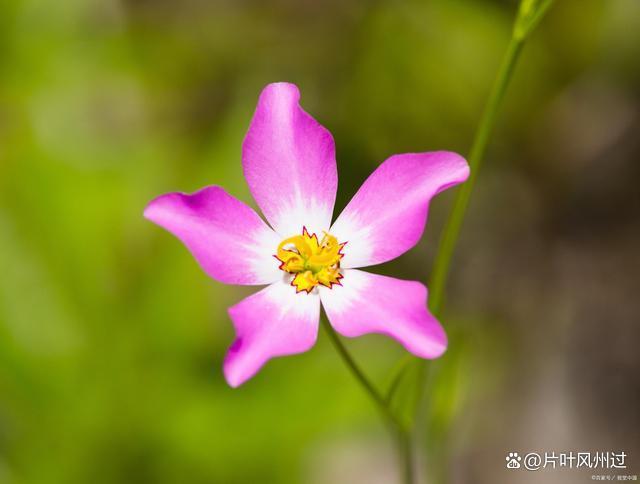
{"x":398,"y":374}
{"x":453,"y":225}
{"x":529,"y":15}
{"x":401,"y":431}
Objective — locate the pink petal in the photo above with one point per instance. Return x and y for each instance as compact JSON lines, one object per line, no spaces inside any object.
{"x":369,"y":303}
{"x":289,"y":163}
{"x":228,"y":239}
{"x":386,"y":217}
{"x":273,"y":322}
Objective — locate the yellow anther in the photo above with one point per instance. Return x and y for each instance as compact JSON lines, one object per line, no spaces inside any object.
{"x":310,"y":261}
{"x":300,"y":244}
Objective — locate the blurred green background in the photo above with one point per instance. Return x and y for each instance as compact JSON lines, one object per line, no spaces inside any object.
{"x":112,"y":338}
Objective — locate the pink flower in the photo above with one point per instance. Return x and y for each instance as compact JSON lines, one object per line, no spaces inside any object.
{"x":289,"y":163}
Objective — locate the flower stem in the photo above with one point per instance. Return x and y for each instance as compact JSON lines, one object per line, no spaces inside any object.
{"x":405,"y":448}
{"x":529,"y":15}
{"x":451,"y":232}
{"x":400,"y":430}
{"x":398,"y":375}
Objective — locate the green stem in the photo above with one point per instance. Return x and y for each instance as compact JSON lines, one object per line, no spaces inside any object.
{"x":398,"y":374}
{"x":529,"y":16}
{"x":401,"y":432}
{"x":451,"y":232}
{"x":405,"y":448}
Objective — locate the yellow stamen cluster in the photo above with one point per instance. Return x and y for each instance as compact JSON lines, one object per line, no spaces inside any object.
{"x":311,"y":261}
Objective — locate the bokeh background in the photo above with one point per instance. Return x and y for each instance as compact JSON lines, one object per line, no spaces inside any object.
{"x":112,"y":338}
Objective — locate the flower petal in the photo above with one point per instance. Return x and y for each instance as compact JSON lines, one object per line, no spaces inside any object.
{"x":289,"y":163}
{"x":370,"y":303}
{"x":228,"y":239}
{"x":273,"y":322}
{"x":386,"y":217}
